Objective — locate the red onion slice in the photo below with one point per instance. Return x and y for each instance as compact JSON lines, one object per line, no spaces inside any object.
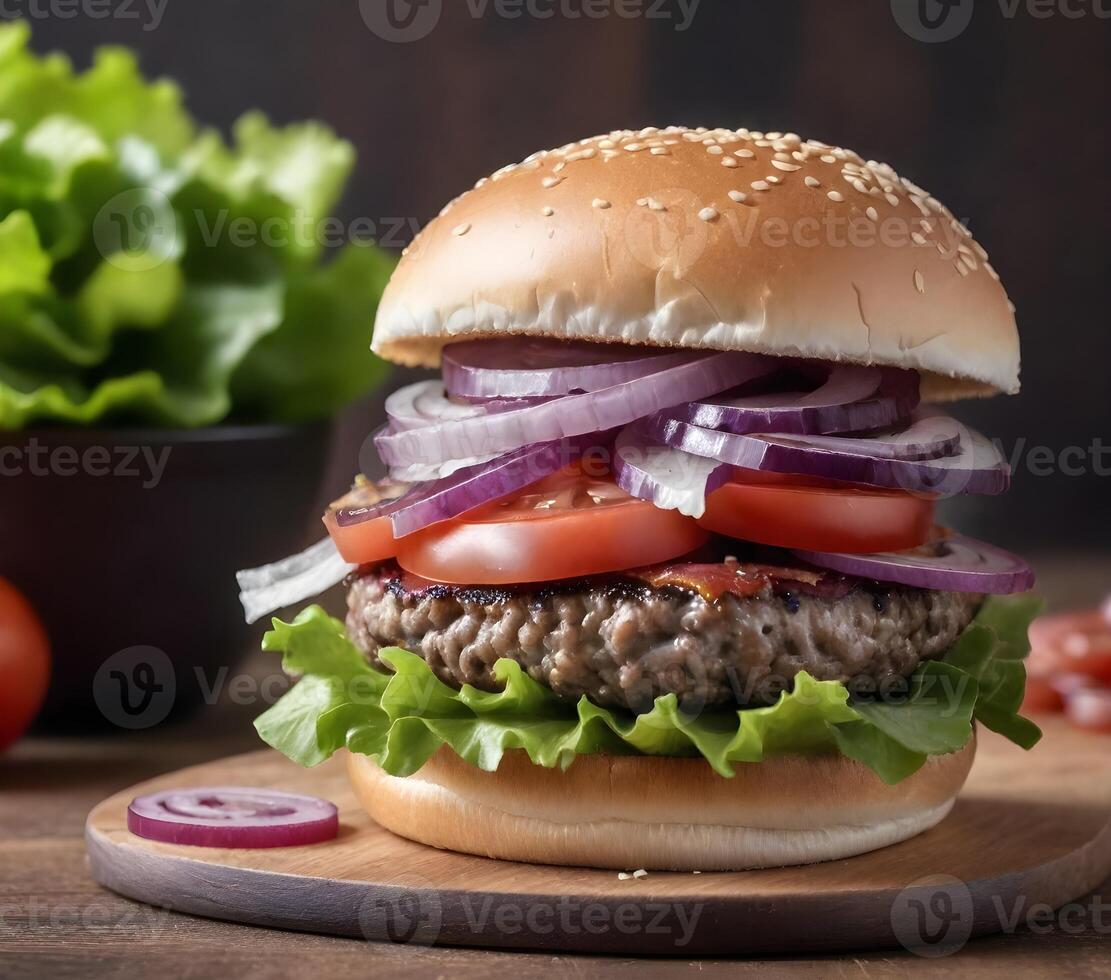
{"x":472,"y":486}
{"x":233,"y":816}
{"x":979,"y":467}
{"x":573,"y":415}
{"x":426,"y":402}
{"x":851,"y":399}
{"x":956,"y":564}
{"x":930,"y":435}
{"x":669,"y":478}
{"x":538,"y":367}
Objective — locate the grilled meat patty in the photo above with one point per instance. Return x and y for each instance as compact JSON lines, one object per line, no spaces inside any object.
{"x":622,"y":643}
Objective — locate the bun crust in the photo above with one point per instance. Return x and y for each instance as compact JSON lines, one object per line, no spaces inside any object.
{"x":628,"y":812}
{"x":644,"y":238}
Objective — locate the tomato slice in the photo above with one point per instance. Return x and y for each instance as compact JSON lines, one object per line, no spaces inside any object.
{"x":792,"y":512}
{"x":1041,"y":696}
{"x":568,"y":525}
{"x":366,"y":541}
{"x":363,"y":543}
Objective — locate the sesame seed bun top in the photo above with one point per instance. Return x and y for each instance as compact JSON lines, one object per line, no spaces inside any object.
{"x":710,"y":239}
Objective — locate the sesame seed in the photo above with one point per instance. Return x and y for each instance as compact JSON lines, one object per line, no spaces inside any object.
{"x":892,"y":200}
{"x":600,"y":204}
{"x":715,"y":150}
{"x":872,"y":213}
{"x":919,"y":281}
{"x":991,"y":271}
{"x":783,"y":156}
{"x":836,"y":196}
{"x":552,"y":181}
{"x":859,"y":186}
{"x":642,"y":202}
{"x":548,"y":212}
{"x":460,"y":230}
{"x":607,"y":145}
{"x":660,"y":151}
{"x":560,"y":167}
{"x":759,"y":185}
{"x":623,"y":876}
{"x":773,"y":179}
{"x":633,"y":147}
{"x":813,"y":182}
{"x":1011,"y":307}
{"x":729,"y":162}
{"x":640,"y":873}
{"x":828,"y":158}
{"x":654,"y":205}
{"x":745,"y":154}
{"x":739,"y":196}
{"x":788,"y":167}
{"x":963,"y":269}
{"x":709,"y":214}
{"x":918,"y":238}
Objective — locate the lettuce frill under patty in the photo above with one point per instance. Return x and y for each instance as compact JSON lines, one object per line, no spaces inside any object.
{"x":401,"y":719}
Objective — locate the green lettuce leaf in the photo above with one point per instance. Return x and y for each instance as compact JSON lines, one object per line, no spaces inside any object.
{"x":153,"y":273}
{"x":402,"y":717}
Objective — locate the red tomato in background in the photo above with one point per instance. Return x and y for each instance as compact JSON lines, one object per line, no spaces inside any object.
{"x":1041,"y":696}
{"x":1090,"y":708}
{"x":24,"y":664}
{"x":1071,"y":643}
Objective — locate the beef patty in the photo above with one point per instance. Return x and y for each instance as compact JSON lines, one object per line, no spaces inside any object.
{"x":622,"y":643}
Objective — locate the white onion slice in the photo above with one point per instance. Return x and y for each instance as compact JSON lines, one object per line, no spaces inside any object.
{"x":669,"y":478}
{"x":423,"y":403}
{"x":297,"y":578}
{"x":425,"y":472}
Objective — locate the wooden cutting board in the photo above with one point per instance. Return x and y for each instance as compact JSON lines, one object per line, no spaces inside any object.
{"x":1029,"y":828}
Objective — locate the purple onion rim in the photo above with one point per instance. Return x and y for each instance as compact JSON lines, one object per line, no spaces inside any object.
{"x":472,"y":380}
{"x":573,"y":415}
{"x":892,"y":402}
{"x":754,"y":452}
{"x":1011,"y":574}
{"x":439,"y":500}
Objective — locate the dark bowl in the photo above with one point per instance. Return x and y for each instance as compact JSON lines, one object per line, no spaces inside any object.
{"x":127,"y":542}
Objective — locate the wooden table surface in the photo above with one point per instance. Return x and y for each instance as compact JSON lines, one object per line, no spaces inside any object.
{"x":55,"y":922}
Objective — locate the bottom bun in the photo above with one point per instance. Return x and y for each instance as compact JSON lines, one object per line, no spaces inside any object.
{"x":627,"y":812}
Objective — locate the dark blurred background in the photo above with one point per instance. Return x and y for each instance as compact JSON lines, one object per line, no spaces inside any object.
{"x":1005,"y":122}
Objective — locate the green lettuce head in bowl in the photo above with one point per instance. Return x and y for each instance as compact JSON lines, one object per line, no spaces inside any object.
{"x":175,"y":334}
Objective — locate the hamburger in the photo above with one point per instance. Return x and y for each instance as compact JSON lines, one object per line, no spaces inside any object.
{"x":656,"y":577}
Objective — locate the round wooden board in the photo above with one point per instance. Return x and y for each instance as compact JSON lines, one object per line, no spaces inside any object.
{"x":1028,"y":829}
